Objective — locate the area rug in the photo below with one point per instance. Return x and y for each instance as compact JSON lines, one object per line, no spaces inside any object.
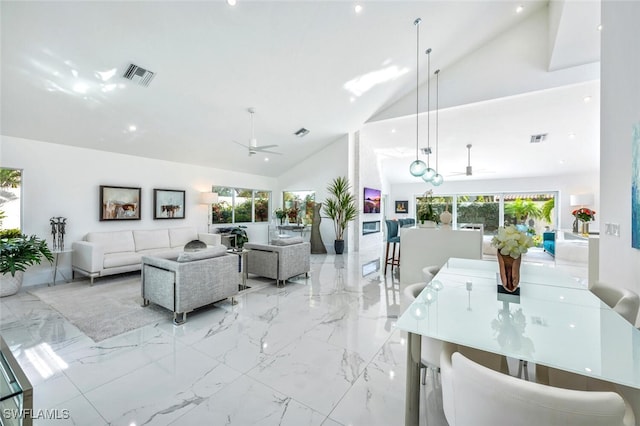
{"x":108,"y":308}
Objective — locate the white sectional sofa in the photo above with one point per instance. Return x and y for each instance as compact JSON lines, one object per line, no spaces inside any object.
{"x":107,"y":253}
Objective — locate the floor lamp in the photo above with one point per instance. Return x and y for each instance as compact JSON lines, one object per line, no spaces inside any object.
{"x":208,"y":198}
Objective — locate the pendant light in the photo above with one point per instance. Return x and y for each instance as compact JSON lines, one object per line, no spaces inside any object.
{"x":437,"y":179}
{"x":429,"y":173}
{"x":418,"y":167}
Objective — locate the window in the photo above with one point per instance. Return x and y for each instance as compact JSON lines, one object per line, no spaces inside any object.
{"x":479,"y":209}
{"x":438,"y":204}
{"x":299,"y":206}
{"x":10,"y":198}
{"x":240,"y":205}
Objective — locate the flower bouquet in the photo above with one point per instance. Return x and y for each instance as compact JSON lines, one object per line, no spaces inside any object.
{"x":584,"y":214}
{"x":511,"y":244}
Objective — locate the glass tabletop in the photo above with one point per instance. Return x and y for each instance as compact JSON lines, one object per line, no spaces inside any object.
{"x":555,"y":322}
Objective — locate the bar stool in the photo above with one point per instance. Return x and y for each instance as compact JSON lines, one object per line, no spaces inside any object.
{"x":392,"y":238}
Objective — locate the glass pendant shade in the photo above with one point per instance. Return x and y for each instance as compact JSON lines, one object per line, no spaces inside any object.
{"x":418,"y":168}
{"x":437,"y":180}
{"x":428,"y":175}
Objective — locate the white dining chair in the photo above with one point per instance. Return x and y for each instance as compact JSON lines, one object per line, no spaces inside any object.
{"x":482,"y":396}
{"x":620,"y":299}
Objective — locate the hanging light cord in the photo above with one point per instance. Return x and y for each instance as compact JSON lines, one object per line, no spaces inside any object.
{"x":428,"y":52}
{"x":417,"y":24}
{"x":437,"y":73}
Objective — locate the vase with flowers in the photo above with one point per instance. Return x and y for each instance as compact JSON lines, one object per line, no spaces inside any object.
{"x":427,"y":216}
{"x":280,"y":214}
{"x":584,"y":216}
{"x":511,"y":244}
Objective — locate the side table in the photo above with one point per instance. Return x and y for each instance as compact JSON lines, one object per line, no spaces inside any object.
{"x":242,"y":268}
{"x":56,"y":256}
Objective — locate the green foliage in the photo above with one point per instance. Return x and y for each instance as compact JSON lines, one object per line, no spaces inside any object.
{"x":340,"y":206}
{"x":10,"y":178}
{"x":10,"y":233}
{"x":521,"y":210}
{"x":241,"y":235}
{"x":547,"y":207}
{"x":261,"y":207}
{"x":243,"y":211}
{"x":486,"y":213}
{"x":221,"y":212}
{"x":18,"y":253}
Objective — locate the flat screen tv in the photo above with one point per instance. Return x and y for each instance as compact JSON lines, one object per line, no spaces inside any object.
{"x":371,"y":200}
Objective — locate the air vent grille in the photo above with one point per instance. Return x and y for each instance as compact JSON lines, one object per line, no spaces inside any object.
{"x":425,"y":151}
{"x":139,"y":75}
{"x":538,"y":138}
{"x":302,"y":132}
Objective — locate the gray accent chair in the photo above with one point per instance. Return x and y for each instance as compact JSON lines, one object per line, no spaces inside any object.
{"x":184,"y":286}
{"x":278,"y":262}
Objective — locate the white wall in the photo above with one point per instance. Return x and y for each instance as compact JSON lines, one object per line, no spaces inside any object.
{"x":61,"y":180}
{"x":620,"y":109}
{"x":565,"y":185}
{"x":368,"y":174}
{"x":315,"y":174}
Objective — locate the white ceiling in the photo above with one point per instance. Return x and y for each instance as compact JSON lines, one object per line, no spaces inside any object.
{"x":291,"y":61}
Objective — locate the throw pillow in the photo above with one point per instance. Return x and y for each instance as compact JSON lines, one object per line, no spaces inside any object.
{"x":286,"y":241}
{"x":215,"y":251}
{"x":195,"y":245}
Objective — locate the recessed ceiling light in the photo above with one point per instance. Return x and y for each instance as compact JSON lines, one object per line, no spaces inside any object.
{"x":561,"y":161}
{"x":352,"y":99}
{"x":80,"y":88}
{"x":600,"y":27}
{"x":133,"y":128}
{"x":587,"y":99}
{"x":358,"y":8}
{"x":520,"y":9}
{"x":393,"y":130}
{"x":572,"y":135}
{"x":231,"y":2}
{"x":266,"y":159}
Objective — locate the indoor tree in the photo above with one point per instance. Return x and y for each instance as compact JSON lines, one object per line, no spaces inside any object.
{"x":341,"y":208}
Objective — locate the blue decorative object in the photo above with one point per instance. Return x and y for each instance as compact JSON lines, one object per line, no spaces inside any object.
{"x":635,"y":187}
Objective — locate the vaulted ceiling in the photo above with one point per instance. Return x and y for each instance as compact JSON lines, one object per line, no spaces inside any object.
{"x":314,"y":64}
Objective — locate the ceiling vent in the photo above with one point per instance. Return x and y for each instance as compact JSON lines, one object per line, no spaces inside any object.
{"x":538,"y":138}
{"x":425,"y":151}
{"x":302,"y":132}
{"x":139,"y":75}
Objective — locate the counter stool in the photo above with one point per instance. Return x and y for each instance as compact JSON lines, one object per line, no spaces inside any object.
{"x":392,"y":238}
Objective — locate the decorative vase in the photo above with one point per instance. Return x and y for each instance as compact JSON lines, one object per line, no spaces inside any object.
{"x":585,"y":228}
{"x":338,"y":245}
{"x":575,"y":226}
{"x":509,"y":271}
{"x":10,"y":284}
{"x":445,"y":219}
{"x":317,"y":246}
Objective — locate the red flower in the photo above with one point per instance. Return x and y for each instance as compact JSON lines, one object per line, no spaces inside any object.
{"x":584,"y":214}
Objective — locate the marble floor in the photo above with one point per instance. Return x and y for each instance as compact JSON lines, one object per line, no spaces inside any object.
{"x":322,"y":350}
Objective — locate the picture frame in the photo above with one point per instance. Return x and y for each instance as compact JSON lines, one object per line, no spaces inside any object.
{"x":371,"y":199}
{"x":119,"y":203}
{"x":402,"y":207}
{"x":168,"y":204}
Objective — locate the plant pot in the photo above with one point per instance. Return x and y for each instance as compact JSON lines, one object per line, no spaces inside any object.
{"x":585,"y":228}
{"x":509,"y":272}
{"x":338,"y":245}
{"x":427,"y":224}
{"x":10,"y":285}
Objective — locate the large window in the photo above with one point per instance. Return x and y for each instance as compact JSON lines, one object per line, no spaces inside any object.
{"x":10,"y":198}
{"x":240,"y":205}
{"x":479,"y":209}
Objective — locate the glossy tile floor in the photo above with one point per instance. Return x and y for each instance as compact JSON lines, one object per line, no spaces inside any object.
{"x":320,"y":351}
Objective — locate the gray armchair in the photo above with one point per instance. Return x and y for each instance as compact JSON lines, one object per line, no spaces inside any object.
{"x":279,"y":262}
{"x":182,"y":285}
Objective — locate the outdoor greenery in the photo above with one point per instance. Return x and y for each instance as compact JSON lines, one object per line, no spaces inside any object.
{"x":18,"y":251}
{"x":519,"y":210}
{"x":485,"y":212}
{"x":340,"y":206}
{"x":239,"y":205}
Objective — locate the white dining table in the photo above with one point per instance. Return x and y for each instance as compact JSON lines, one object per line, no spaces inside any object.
{"x":556,"y":321}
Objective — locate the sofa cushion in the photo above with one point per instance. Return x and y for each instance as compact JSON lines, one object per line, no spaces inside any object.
{"x":151,"y":239}
{"x":195,"y":245}
{"x":214,"y":251}
{"x":126,"y":258}
{"x":181,"y":236}
{"x":286,"y":241}
{"x":113,"y":242}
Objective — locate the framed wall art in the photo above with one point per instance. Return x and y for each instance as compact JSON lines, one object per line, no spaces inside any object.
{"x":168,"y":204}
{"x":119,"y":203}
{"x":371,"y":200}
{"x":402,"y":207}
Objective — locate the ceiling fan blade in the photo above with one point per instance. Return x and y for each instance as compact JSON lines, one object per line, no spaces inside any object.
{"x":270,"y":152}
{"x":263,"y":147}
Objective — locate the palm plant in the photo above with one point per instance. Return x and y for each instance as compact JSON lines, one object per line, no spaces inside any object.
{"x":340,"y":206}
{"x":523,"y":209}
{"x":547,"y":207}
{"x":20,"y":251}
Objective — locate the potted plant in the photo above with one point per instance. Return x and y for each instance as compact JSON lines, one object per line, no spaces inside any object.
{"x":18,"y":253}
{"x":341,"y":208}
{"x":426,"y":214}
{"x":511,"y":244}
{"x":280,"y":214}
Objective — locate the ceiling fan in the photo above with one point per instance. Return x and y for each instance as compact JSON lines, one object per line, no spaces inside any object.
{"x":253,"y":142}
{"x":469,"y":169}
